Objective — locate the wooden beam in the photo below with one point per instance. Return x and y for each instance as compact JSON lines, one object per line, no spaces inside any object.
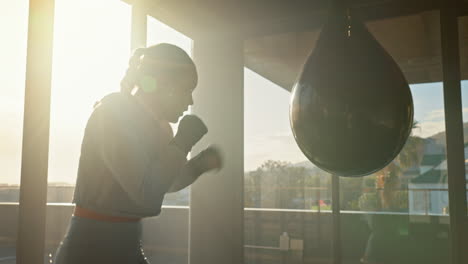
{"x":207,"y":17}
{"x":366,"y":10}
{"x":336,"y":220}
{"x":35,"y":152}
{"x":216,"y":199}
{"x":454,"y":131}
{"x":139,"y":25}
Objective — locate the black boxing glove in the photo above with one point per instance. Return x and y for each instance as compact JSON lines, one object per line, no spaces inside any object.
{"x":191,"y":129}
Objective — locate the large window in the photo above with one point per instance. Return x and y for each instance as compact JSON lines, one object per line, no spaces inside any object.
{"x":397,"y":215}
{"x":90,"y":58}
{"x":401,"y":213}
{"x":418,"y":176}
{"x":13,"y":25}
{"x":285,"y":196}
{"x":405,"y":204}
{"x":91,"y":51}
{"x":170,"y":245}
{"x":464,"y":85}
{"x":462,"y":21}
{"x":13,"y":28}
{"x":159,"y":32}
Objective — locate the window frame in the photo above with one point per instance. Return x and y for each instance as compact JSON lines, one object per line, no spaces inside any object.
{"x":33,"y":186}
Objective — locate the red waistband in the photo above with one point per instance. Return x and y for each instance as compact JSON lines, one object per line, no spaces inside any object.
{"x":86,"y":213}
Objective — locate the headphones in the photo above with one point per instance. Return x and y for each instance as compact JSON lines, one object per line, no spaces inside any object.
{"x":134,"y":74}
{"x":148,"y":83}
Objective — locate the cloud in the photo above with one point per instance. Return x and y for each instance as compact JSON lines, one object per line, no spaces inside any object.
{"x":280,"y":146}
{"x":434,"y":115}
{"x":427,"y":129}
{"x":434,"y":122}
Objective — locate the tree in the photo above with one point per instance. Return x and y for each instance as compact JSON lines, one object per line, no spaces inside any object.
{"x":278,"y":184}
{"x":388,"y":180}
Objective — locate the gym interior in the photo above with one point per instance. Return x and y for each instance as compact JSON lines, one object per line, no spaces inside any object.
{"x":270,"y":203}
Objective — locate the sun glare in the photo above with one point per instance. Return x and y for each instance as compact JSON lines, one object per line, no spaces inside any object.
{"x":13,"y":28}
{"x":91,"y":50}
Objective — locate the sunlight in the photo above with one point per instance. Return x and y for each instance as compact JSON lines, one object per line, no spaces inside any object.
{"x":161,"y":33}
{"x":91,"y":50}
{"x":13,"y":28}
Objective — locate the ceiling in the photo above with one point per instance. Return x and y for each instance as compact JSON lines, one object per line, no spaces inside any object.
{"x":279,"y":35}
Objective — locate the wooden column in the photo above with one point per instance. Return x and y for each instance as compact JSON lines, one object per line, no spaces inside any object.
{"x":454,"y":131}
{"x":336,"y":220}
{"x":216,"y":205}
{"x":35,"y":152}
{"x":139,"y":25}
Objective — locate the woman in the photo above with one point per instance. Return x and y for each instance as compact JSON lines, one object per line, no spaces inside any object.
{"x":130,"y":158}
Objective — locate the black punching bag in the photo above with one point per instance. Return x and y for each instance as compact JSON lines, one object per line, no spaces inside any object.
{"x":351,"y":108}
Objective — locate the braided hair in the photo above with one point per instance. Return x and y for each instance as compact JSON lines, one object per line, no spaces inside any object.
{"x":160,"y":59}
{"x":131,"y":76}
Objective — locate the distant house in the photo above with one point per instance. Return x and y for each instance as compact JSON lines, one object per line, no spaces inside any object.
{"x":428,"y":192}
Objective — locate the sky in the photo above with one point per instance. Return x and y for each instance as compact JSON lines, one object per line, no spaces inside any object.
{"x":85,"y":44}
{"x":268,"y":134}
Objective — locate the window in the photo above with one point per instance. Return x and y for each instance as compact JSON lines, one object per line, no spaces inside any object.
{"x":392,"y":216}
{"x":285,"y":195}
{"x":14,"y":26}
{"x":406,"y":203}
{"x":159,"y":32}
{"x":464,"y":85}
{"x":174,"y":219}
{"x":395,"y":204}
{"x":90,"y":58}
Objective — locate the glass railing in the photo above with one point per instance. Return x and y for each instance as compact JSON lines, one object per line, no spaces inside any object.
{"x":309,"y":232}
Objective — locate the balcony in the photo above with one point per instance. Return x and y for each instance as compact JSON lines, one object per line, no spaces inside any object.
{"x":166,"y":240}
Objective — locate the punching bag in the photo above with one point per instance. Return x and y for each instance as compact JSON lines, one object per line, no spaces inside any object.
{"x":351,"y":109}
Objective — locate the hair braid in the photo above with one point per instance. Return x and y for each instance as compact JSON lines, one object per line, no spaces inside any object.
{"x":128,"y":82}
